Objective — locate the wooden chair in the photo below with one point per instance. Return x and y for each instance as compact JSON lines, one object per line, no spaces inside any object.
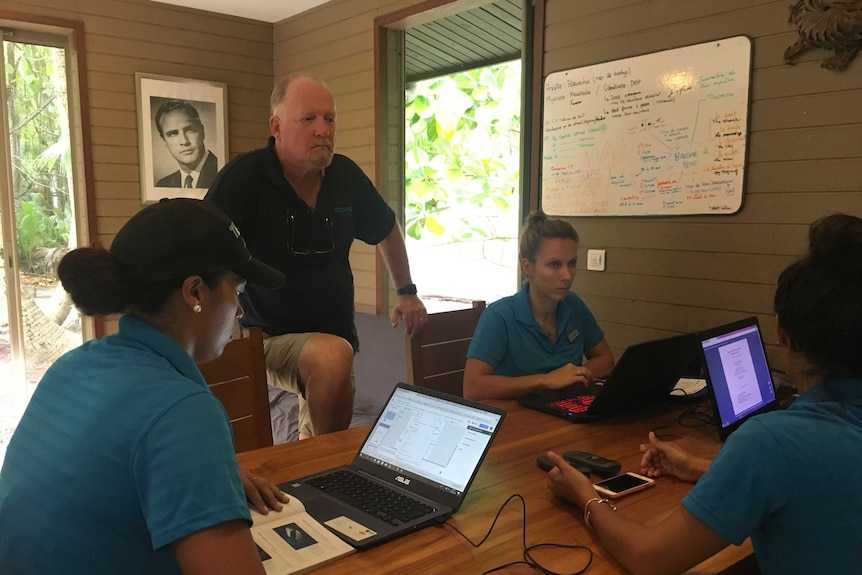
{"x":238,"y":379}
{"x":436,"y":357}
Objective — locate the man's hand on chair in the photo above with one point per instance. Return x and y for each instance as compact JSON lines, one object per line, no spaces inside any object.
{"x":411,"y":308}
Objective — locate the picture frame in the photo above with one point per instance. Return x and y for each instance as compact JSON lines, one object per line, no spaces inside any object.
{"x":180,"y":155}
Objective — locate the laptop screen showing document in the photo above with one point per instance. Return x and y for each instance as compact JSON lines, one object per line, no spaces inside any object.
{"x":737,"y":373}
{"x":413,"y":469}
{"x":431,"y":438}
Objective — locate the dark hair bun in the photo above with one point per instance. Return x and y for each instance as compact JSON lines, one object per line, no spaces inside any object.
{"x":94,"y":280}
{"x":835,"y":245}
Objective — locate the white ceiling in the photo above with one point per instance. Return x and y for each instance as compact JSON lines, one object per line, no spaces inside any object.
{"x":481,"y":36}
{"x":264,"y":10}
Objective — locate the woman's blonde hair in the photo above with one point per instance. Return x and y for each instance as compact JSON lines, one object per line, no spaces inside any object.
{"x":540,"y":228}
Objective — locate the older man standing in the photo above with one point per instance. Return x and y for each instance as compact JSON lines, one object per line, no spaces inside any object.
{"x":300,"y":206}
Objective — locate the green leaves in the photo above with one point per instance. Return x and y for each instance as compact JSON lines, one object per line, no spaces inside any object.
{"x":462,"y":150}
{"x":39,"y":144}
{"x":39,"y":227}
{"x":421,"y":107}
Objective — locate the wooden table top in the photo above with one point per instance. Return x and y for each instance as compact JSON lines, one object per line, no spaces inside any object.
{"x":509,"y":468}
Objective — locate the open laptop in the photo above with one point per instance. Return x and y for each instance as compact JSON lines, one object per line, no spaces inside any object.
{"x":642,"y":378}
{"x":422,"y":453}
{"x":737,"y":373}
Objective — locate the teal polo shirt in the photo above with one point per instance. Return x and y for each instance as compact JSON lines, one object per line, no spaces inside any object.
{"x":792,"y":480}
{"x":509,"y":339}
{"x":122,"y":450}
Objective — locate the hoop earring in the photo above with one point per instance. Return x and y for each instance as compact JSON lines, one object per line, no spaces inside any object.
{"x":197,"y":308}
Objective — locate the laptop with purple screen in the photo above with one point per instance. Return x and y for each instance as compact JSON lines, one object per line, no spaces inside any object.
{"x":737,"y":373}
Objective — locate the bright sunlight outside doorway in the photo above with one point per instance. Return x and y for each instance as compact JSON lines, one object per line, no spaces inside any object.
{"x":38,"y":322}
{"x":461,"y":182}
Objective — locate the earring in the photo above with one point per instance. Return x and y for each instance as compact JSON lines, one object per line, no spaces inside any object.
{"x":197,"y":308}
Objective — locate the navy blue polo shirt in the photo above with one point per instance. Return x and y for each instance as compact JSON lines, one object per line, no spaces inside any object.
{"x":317,"y":296}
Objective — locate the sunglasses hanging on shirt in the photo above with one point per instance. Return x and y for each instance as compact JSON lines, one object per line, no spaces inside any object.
{"x":309,"y":236}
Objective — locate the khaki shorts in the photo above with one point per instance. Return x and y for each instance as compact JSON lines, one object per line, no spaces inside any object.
{"x":282,"y":371}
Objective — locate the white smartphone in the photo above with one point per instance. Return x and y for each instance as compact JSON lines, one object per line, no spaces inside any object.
{"x":623,"y":484}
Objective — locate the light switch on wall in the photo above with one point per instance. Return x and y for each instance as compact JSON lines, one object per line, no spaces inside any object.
{"x":596,"y":260}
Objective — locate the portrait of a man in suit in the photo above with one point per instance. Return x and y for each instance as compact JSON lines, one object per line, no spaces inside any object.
{"x":183,"y":134}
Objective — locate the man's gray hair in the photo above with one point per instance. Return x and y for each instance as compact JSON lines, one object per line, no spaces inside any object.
{"x":281,"y":88}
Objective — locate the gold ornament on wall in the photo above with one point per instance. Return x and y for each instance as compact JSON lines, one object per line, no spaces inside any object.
{"x":830,"y":24}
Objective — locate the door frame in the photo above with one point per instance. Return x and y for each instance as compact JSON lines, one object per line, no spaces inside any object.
{"x":389,"y":88}
{"x":69,"y":35}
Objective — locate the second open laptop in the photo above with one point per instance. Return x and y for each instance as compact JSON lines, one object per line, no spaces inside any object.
{"x":737,"y":373}
{"x":413,"y":469}
{"x":642,"y":377}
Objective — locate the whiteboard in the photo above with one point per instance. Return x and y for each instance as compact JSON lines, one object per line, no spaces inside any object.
{"x":658,"y":134}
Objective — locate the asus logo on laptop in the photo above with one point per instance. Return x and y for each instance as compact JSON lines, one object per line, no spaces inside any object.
{"x":403,"y":480}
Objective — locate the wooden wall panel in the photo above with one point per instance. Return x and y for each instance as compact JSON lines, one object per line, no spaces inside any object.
{"x":807,"y":111}
{"x":707,"y":235}
{"x":820,"y":142}
{"x":115,"y":206}
{"x":783,"y":80}
{"x":127,"y":36}
{"x":564,"y":18}
{"x":118,"y":190}
{"x":669,"y":275}
{"x":195,"y":37}
{"x":665,"y":275}
{"x":617,"y":34}
{"x":807,"y":175}
{"x":720,"y":266}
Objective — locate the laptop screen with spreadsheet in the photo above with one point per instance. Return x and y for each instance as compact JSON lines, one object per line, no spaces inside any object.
{"x":414,"y":467}
{"x":436,"y":439}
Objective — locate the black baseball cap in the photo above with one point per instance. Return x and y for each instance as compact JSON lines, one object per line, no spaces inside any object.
{"x":177,"y":238}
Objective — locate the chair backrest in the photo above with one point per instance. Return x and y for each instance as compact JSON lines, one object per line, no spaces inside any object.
{"x":436,"y":357}
{"x":238,"y":380}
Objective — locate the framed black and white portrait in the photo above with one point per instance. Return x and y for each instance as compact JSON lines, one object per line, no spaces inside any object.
{"x":182,"y":135}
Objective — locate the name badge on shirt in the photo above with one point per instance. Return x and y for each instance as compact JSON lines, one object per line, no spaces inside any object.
{"x":574,"y":335}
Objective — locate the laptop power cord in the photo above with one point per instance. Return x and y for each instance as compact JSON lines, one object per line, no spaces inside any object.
{"x":528,"y":550}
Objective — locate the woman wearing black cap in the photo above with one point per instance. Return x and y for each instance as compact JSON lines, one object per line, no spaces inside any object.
{"x":124,"y":461}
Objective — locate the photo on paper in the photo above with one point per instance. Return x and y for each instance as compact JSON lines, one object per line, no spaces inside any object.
{"x":295,"y":536}
{"x":182,"y":135}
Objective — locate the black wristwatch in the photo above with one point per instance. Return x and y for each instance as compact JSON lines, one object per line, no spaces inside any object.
{"x":409,"y":289}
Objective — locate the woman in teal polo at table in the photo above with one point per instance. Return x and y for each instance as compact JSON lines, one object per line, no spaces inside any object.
{"x":124,"y":460}
{"x":789,"y":479}
{"x":543,"y":337}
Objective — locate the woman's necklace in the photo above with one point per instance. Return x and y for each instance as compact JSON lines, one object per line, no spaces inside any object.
{"x":548,"y":330}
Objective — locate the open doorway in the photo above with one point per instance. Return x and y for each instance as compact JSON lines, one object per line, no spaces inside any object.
{"x":39,"y":214}
{"x":462,"y":158}
{"x":451,"y":83}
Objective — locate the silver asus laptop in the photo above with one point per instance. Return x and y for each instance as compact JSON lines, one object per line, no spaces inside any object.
{"x":413,"y":469}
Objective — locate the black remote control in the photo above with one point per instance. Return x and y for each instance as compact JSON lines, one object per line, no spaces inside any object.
{"x":596,"y":463}
{"x":545,"y":465}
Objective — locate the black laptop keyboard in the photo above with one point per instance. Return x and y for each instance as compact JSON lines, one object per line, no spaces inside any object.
{"x":373,"y":498}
